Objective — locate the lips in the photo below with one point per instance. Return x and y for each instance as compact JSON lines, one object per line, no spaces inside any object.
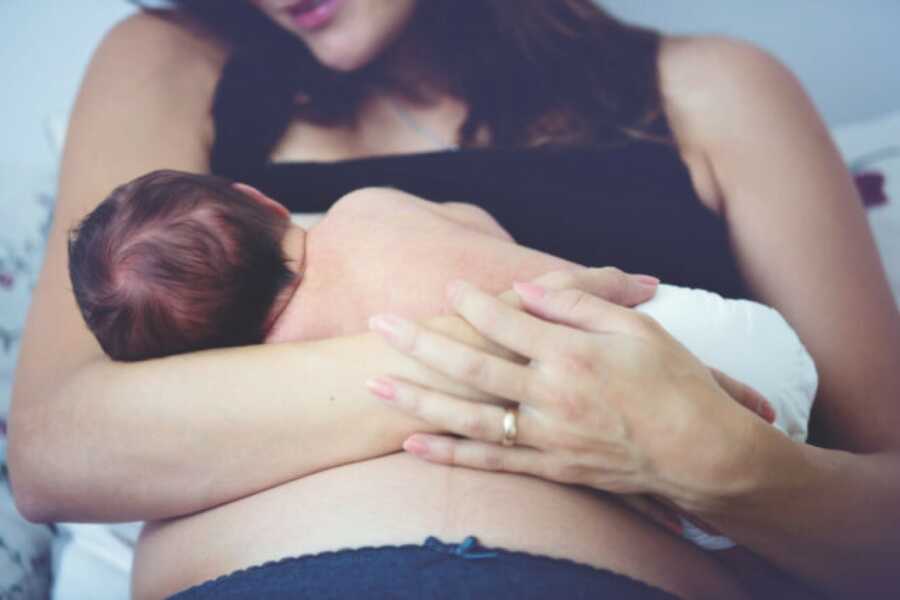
{"x":305,"y":6}
{"x":313,"y":14}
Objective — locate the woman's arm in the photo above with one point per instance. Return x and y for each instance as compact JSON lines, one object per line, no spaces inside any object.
{"x":802,"y":240}
{"x":91,"y":439}
{"x":94,"y":440}
{"x":626,"y":410}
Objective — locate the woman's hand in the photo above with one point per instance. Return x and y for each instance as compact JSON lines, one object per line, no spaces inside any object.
{"x":616,"y":404}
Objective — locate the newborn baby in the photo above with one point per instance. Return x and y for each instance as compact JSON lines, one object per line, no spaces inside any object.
{"x":174,"y":262}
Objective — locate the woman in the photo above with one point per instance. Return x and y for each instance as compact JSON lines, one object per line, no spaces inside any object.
{"x":145,"y":104}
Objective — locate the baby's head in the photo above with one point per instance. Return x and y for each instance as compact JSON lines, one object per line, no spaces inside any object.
{"x":175,"y":262}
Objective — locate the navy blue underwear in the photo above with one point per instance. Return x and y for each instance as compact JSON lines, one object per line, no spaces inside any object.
{"x":432,"y":570}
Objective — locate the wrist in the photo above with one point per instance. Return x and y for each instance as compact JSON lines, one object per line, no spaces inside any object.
{"x":736,"y":457}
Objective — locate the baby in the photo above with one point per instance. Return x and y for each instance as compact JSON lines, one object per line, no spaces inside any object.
{"x":174,"y":262}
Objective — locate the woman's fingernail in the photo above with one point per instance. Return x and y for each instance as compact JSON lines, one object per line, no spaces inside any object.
{"x":416,"y":445}
{"x":647,"y":280}
{"x":390,"y":325}
{"x":529,"y":290}
{"x":381,"y":387}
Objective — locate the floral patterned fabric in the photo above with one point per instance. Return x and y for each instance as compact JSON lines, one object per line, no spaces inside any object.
{"x":26,"y":202}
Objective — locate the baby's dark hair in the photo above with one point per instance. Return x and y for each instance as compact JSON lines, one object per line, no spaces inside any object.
{"x":175,"y":262}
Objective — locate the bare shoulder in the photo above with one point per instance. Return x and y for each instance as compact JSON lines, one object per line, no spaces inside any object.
{"x":161,"y":56}
{"x":143,"y":104}
{"x":721,"y":77}
{"x":717,"y":88}
{"x":374,"y":201}
{"x":155,"y":38}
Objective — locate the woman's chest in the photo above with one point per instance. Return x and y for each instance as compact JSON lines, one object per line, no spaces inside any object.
{"x":383,"y":126}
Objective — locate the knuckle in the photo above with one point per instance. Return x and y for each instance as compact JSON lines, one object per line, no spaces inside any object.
{"x":577,"y":300}
{"x":643,"y":323}
{"x":537,"y":390}
{"x":557,"y":280}
{"x":613,"y":284}
{"x":473,"y":426}
{"x":492,"y":459}
{"x":570,"y":473}
{"x":575,"y":355}
{"x":571,"y":403}
{"x":476,"y":306}
{"x":567,"y":301}
{"x":452,"y":455}
{"x":576,"y":363}
{"x":610,"y":270}
{"x":411,"y":339}
{"x":413,"y":401}
{"x":611,"y":273}
{"x":474,"y":369}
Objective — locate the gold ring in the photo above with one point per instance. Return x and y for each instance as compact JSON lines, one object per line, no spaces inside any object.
{"x":510,"y":427}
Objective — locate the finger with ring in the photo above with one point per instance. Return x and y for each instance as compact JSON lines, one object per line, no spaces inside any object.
{"x":473,"y":420}
{"x":479,"y":455}
{"x":510,"y":427}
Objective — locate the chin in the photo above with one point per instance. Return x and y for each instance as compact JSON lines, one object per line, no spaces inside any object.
{"x":343,"y":57}
{"x":344,"y":64}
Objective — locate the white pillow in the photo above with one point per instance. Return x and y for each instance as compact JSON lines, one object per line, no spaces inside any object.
{"x":26,"y":202}
{"x":746,"y":340}
{"x":93,"y":560}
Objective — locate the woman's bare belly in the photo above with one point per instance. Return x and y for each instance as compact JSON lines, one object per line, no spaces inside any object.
{"x":400,"y":500}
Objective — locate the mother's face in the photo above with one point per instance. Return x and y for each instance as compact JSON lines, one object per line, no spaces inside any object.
{"x":344,"y":35}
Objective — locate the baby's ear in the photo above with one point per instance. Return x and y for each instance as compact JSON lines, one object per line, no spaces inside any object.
{"x":258,"y":196}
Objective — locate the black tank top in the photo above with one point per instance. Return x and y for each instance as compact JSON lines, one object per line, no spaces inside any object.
{"x":629,"y":203}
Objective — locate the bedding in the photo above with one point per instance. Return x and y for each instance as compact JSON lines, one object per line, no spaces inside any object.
{"x":92,"y":561}
{"x":26,"y":200}
{"x":873,"y":146}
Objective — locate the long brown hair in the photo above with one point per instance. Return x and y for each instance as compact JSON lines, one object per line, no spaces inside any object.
{"x":532,"y":72}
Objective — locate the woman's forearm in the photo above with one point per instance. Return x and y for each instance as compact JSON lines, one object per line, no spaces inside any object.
{"x":176,"y":435}
{"x":827,"y":516}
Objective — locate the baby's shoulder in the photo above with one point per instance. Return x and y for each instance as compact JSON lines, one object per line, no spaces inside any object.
{"x":378,"y":210}
{"x":382,"y":221}
{"x":374,"y":200}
